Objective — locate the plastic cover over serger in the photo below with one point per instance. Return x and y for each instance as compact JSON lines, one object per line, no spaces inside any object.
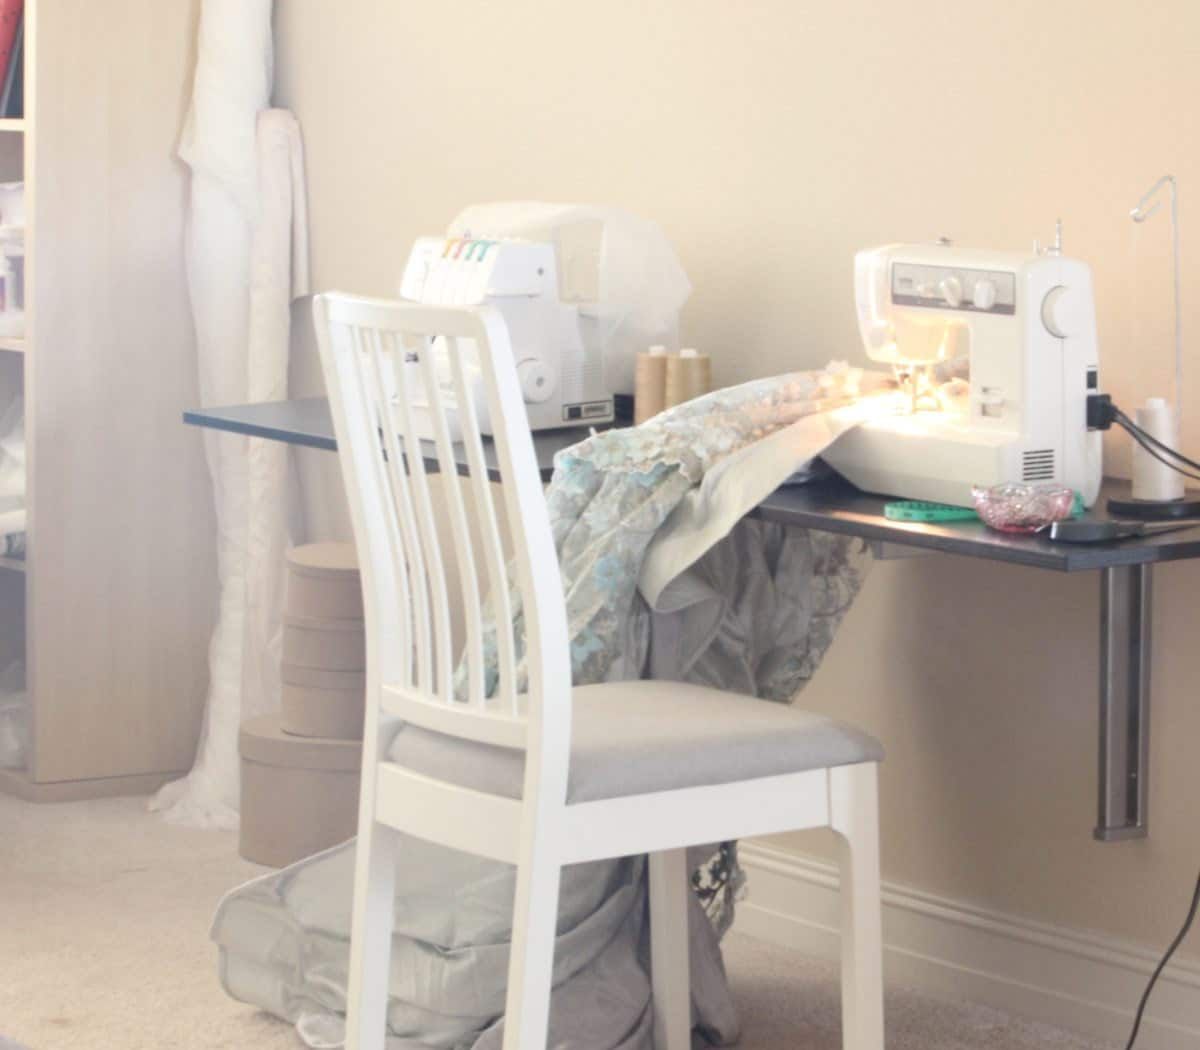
{"x":619,"y":268}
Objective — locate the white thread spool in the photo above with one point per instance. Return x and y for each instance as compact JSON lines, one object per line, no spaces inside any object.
{"x":1152,"y":479}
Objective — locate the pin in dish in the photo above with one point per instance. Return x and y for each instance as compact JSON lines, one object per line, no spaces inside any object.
{"x":1022,"y":508}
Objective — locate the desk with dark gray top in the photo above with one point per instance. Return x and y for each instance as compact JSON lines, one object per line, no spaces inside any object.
{"x":836,"y":506}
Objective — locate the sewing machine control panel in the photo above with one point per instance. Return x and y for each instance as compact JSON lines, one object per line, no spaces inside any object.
{"x":954,"y":288}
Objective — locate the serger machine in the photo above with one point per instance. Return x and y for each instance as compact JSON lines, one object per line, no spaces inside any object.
{"x":581,"y":290}
{"x":1019,"y":333}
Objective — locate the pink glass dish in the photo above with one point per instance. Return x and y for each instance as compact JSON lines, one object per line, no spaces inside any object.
{"x":1022,"y":508}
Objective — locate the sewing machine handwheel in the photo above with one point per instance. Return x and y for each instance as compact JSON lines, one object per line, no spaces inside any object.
{"x":536,"y":379}
{"x":1062,"y":312}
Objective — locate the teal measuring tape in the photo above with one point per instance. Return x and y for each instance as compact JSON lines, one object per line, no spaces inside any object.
{"x":922,"y":510}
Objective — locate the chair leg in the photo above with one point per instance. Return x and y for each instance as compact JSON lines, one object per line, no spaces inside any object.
{"x":669,"y":950}
{"x":371,"y":937}
{"x":855,"y":817}
{"x":531,"y":963}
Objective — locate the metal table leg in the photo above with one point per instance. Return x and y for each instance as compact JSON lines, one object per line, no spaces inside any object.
{"x":1125,"y":604}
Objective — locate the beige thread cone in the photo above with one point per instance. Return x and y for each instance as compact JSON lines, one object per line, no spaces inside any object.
{"x":650,"y":384}
{"x":689,"y":375}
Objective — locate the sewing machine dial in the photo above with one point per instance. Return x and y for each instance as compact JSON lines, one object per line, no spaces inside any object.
{"x":954,"y":288}
{"x":984,"y":297}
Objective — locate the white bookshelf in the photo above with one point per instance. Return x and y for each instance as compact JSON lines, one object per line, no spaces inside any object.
{"x":114,"y":604}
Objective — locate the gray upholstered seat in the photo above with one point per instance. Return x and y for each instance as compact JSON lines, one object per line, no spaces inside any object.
{"x":630,"y":738}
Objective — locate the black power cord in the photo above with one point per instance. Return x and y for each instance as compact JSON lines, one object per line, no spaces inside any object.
{"x":1187,"y":925}
{"x":1145,"y":440}
{"x":1102,"y":414}
{"x":1123,"y":420}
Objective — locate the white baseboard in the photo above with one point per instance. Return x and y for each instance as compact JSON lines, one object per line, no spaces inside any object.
{"x":1077,"y":981}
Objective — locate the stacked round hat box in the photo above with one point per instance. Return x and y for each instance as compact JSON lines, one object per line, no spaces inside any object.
{"x":300,"y":766}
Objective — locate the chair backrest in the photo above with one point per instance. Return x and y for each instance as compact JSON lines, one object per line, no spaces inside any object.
{"x":396,"y":372}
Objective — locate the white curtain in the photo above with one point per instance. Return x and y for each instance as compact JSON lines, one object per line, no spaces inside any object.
{"x":247,"y":259}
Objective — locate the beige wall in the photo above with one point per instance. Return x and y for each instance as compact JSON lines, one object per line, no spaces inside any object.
{"x":772,"y":140}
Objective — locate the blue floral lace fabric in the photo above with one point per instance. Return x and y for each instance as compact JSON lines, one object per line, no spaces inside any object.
{"x":612,"y":492}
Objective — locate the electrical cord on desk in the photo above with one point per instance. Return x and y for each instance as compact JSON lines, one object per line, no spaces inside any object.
{"x":1141,"y":437}
{"x":1187,"y":925}
{"x":1124,"y":421}
{"x":1102,"y":414}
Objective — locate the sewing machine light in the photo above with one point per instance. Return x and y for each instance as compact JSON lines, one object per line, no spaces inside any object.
{"x":926,"y":341}
{"x":916,"y":346}
{"x":899,"y":337}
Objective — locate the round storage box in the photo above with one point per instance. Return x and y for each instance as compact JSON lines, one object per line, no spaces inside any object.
{"x":323,"y":582}
{"x":323,"y":703}
{"x":327,"y":645}
{"x":299,"y":794}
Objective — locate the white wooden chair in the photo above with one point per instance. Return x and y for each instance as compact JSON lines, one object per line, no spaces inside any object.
{"x":553,"y":775}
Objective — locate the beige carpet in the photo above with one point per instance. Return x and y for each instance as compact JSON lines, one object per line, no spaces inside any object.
{"x":104,"y":914}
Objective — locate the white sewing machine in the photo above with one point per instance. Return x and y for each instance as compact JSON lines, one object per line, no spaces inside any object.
{"x":1026,"y":327}
{"x":581,"y":289}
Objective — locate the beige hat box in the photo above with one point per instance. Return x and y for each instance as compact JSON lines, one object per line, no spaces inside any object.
{"x":324,"y":645}
{"x":300,"y":767}
{"x":323,"y":582}
{"x":324,"y":648}
{"x":319,"y":703}
{"x":299,"y":794}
